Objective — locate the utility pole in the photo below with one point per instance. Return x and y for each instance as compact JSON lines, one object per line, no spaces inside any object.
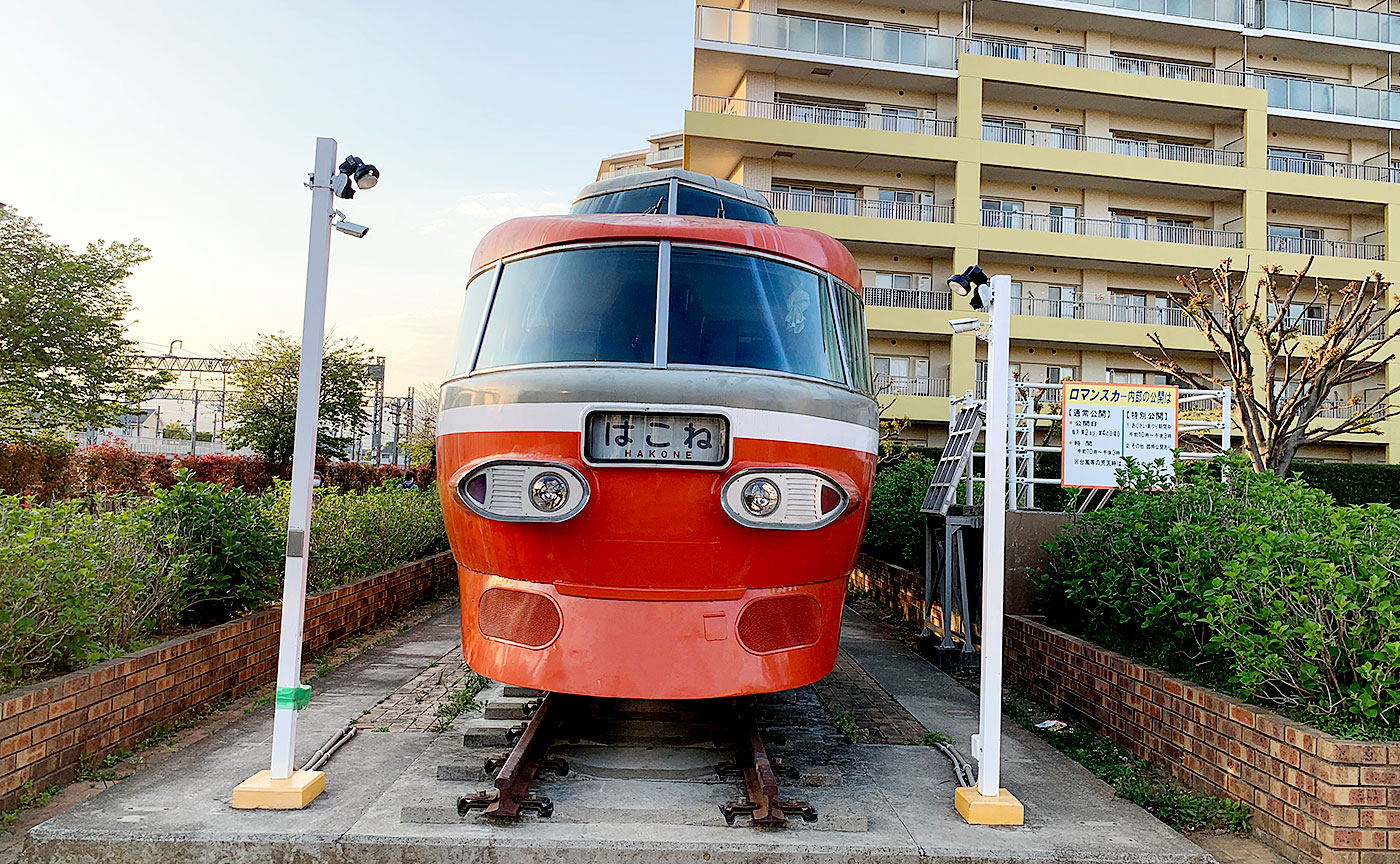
{"x":285,"y":787}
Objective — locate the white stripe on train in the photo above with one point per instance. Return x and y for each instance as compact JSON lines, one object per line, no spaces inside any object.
{"x":748,"y":423}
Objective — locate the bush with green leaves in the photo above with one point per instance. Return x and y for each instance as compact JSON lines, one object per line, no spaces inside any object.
{"x":1243,"y":580}
{"x":77,"y":586}
{"x":358,"y":534}
{"x":895,"y":530}
{"x":233,"y":545}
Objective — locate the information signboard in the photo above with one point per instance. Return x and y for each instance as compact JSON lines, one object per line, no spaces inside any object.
{"x":1106,"y":422}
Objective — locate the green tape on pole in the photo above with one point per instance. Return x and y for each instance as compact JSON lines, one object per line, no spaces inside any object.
{"x":295,"y":698}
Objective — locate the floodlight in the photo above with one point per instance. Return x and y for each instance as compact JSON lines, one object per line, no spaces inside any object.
{"x":363,"y":175}
{"x":970,"y":282}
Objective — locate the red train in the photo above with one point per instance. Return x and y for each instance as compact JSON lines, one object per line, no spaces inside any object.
{"x":656,"y":447}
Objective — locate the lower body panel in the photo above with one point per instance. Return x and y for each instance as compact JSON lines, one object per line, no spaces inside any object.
{"x":649,"y":644}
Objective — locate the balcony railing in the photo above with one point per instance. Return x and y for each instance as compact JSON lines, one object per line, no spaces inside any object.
{"x":1157,"y":316}
{"x":1335,"y":248}
{"x":626,"y":169}
{"x":1325,"y":168}
{"x":1107,"y":62}
{"x":900,"y":385}
{"x":1111,"y":228}
{"x":1060,"y":140}
{"x":842,"y":206}
{"x":1225,"y":11}
{"x":666,"y":154}
{"x":1324,"y":19}
{"x":827,"y":38}
{"x":1325,"y":97}
{"x":1340,"y":410}
{"x":909,"y":298}
{"x":823,"y":116}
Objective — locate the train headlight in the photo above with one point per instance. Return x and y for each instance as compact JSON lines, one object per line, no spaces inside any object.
{"x":785,"y":498}
{"x":549,"y":492}
{"x":509,"y":490}
{"x":761,"y":496}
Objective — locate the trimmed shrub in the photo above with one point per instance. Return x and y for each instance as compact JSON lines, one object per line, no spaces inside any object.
{"x":115,"y":469}
{"x":1242,"y":580}
{"x":231,"y":543}
{"x":77,"y":587}
{"x":252,"y":474}
{"x":358,"y":477}
{"x":895,"y":532}
{"x":1352,"y":483}
{"x":36,"y":468}
{"x":354,"y":535}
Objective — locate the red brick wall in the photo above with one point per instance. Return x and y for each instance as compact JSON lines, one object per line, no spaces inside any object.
{"x":899,"y":589}
{"x":47,"y":727}
{"x":1314,"y":797}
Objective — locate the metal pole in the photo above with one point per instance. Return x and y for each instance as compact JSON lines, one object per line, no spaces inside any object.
{"x":194,"y":421}
{"x":291,"y":695}
{"x":994,"y":538}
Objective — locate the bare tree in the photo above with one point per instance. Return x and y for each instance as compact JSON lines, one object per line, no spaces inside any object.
{"x":1258,"y":338}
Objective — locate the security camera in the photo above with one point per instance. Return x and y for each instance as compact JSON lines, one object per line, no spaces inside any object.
{"x":965,"y":325}
{"x":351,"y":228}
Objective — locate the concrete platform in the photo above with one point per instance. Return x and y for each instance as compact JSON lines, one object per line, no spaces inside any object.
{"x":385,"y":801}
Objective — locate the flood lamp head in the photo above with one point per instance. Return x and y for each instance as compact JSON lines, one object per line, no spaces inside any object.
{"x":969,"y":282}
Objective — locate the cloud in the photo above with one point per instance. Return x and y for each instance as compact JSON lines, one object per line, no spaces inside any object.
{"x":484,"y":209}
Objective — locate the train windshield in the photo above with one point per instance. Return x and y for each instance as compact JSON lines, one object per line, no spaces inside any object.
{"x":595,"y":304}
{"x":691,"y":201}
{"x":752,"y":313}
{"x":645,"y":199}
{"x":726,"y":309}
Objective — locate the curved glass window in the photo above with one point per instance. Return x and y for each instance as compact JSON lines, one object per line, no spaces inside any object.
{"x":744,"y":311}
{"x":852,"y":315}
{"x":574,"y":306}
{"x":691,"y":201}
{"x":647,"y":199}
{"x":478,"y":289}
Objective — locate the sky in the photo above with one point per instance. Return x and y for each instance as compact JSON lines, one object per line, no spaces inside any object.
{"x":191,"y":126}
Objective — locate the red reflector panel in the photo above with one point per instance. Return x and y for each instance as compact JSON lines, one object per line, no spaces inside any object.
{"x":831,"y":499}
{"x":780,"y":623}
{"x":527,"y":619}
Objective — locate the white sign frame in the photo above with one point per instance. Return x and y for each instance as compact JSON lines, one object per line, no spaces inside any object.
{"x":1114,"y":401}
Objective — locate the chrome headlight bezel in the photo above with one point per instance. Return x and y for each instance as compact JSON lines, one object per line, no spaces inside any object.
{"x":799,"y":499}
{"x":507,"y":497}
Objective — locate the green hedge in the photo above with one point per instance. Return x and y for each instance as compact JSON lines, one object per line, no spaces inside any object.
{"x":895,"y":532}
{"x":1241,"y":580}
{"x":1352,"y":483}
{"x":82,"y":581}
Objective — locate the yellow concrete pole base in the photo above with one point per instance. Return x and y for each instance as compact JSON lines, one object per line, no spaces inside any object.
{"x":263,"y":792}
{"x":979,"y":809}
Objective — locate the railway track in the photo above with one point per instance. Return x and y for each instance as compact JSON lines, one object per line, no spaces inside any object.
{"x":555,"y":717}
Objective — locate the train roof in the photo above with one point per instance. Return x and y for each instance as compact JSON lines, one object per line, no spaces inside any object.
{"x":535,"y":232}
{"x":639,"y":179}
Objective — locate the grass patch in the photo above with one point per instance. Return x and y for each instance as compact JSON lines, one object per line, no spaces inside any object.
{"x":459,"y":701}
{"x":848,"y":726}
{"x":929,"y":739}
{"x":1133,"y":778}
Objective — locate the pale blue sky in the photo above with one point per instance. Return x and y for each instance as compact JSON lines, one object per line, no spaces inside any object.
{"x":191,"y":126}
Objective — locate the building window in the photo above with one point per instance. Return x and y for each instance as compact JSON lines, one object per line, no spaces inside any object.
{"x":998,"y":213}
{"x":1009,"y":131}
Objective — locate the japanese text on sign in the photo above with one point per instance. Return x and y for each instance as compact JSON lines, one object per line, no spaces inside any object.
{"x":1106,"y":422}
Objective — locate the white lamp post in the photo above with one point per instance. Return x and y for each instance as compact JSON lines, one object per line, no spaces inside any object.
{"x":988,"y":803}
{"x":284,"y":787}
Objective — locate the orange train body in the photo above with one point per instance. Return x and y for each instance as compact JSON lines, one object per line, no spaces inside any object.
{"x":653,"y":510}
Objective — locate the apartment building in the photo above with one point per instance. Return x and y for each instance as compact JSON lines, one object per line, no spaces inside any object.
{"x":1092,"y":149}
{"x":666,"y":150}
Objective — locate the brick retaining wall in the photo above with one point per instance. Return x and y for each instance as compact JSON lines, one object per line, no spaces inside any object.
{"x":899,"y":589}
{"x":46,"y":728}
{"x":1315,"y":798}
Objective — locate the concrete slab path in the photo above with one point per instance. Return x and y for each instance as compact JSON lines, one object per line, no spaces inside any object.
{"x":385,"y":803}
